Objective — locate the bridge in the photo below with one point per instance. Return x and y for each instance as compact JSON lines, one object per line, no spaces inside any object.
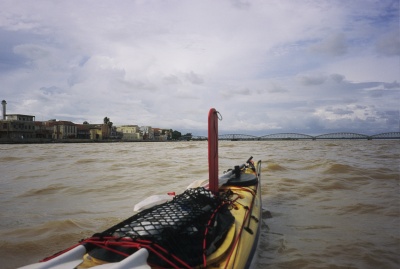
{"x":236,"y":137}
{"x":390,"y":135}
{"x":297,"y":136}
{"x":286,"y":136}
{"x":199,"y":137}
{"x":342,"y":136}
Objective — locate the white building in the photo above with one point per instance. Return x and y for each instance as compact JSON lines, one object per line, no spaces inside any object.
{"x":148,"y":132}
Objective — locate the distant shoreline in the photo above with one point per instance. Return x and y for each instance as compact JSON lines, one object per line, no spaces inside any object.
{"x":88,"y":141}
{"x":68,"y":141}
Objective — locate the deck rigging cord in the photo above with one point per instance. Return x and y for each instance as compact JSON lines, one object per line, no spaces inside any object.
{"x":174,"y":233}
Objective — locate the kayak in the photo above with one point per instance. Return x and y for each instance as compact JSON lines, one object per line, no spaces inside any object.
{"x":214,"y":223}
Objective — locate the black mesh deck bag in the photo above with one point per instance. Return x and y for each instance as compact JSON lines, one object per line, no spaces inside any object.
{"x":179,"y":226}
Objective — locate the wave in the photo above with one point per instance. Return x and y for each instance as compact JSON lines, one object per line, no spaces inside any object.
{"x":331,"y":145}
{"x":275,"y":167}
{"x":338,"y":168}
{"x":330,"y":184}
{"x":10,"y":159}
{"x":361,"y":208}
{"x":183,"y":146}
{"x":50,"y":189}
{"x":46,"y":229}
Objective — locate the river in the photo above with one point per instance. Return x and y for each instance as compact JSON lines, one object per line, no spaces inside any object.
{"x":334,"y":203}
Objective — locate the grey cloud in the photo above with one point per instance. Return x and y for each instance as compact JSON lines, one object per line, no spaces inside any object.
{"x":244,"y":91}
{"x":389,"y":93}
{"x":337,"y":78}
{"x":391,"y":117}
{"x":361,"y":107}
{"x":172,"y":80}
{"x":376,"y":93}
{"x":340,"y":111}
{"x":51,"y":90}
{"x":276,"y":89}
{"x":231,"y":93}
{"x":370,"y":86}
{"x":8,"y":59}
{"x":389,"y":44}
{"x":241,"y":4}
{"x":312,"y":79}
{"x":190,"y":77}
{"x":134,"y":85}
{"x":194,"y":78}
{"x":392,"y":85}
{"x":306,"y":109}
{"x":347,"y":100}
{"x":32,"y":51}
{"x":83,"y":60}
{"x":334,"y":45}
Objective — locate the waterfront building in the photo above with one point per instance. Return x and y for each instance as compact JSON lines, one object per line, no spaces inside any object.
{"x":129,"y":132}
{"x":17,"y":126}
{"x":148,"y":132}
{"x":63,"y":129}
{"x":161,"y":134}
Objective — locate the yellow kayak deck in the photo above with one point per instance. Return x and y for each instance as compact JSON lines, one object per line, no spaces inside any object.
{"x":241,"y":241}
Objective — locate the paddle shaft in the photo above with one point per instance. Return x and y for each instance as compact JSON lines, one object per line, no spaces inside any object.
{"x":213,"y":151}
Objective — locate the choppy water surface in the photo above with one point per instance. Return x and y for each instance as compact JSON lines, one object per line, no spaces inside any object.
{"x":334,"y":204}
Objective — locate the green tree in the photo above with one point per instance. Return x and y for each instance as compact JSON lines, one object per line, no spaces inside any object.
{"x":187,"y":136}
{"x":106,"y":120}
{"x":109,"y":124}
{"x":169,"y":134}
{"x":176,"y":135}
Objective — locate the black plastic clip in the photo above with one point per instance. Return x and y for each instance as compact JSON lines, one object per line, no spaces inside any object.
{"x":237,"y":171}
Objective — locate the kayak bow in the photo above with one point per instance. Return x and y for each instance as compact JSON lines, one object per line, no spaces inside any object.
{"x":214,"y":223}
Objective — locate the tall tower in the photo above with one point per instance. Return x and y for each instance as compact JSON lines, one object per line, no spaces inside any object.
{"x":4,"y":103}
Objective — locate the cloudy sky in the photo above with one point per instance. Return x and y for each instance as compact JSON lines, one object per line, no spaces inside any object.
{"x":268,"y":66}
